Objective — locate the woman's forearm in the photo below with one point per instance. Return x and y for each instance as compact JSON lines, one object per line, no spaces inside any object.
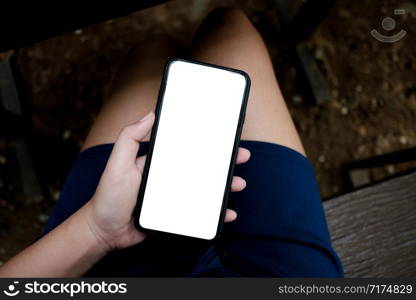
{"x":67,"y":251}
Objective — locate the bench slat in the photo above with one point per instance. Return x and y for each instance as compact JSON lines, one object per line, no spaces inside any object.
{"x":374,"y":229}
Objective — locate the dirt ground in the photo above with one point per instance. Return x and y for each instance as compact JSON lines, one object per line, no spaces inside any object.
{"x":63,"y":80}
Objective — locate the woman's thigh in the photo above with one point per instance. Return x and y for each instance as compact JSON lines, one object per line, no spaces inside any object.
{"x":134,"y":89}
{"x":227,"y":37}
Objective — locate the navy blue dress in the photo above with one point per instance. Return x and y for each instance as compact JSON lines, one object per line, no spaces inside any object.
{"x":280,"y":231}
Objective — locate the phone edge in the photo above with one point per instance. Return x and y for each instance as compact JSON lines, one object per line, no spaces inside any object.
{"x":158,"y":109}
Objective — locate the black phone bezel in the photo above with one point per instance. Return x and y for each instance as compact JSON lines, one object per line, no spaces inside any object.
{"x":137,"y":210}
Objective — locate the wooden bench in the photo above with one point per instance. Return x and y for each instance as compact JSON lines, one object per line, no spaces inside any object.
{"x":374,"y":229}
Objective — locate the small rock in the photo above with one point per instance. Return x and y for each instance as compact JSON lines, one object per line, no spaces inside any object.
{"x":67,"y":134}
{"x":43,"y":218}
{"x":390,"y":169}
{"x":383,"y":143}
{"x":297,"y":99}
{"x":362,"y":130}
{"x":319,"y":53}
{"x":374,"y":104}
{"x":321,"y":159}
{"x":3,"y":160}
{"x":55,"y":195}
{"x":363,"y":150}
{"x":403,"y":140}
{"x":358,"y":88}
{"x":78,"y":32}
{"x":344,"y":110}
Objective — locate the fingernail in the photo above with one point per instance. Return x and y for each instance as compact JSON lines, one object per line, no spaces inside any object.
{"x":146,"y":117}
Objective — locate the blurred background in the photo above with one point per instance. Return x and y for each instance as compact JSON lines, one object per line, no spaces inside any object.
{"x":370,"y":86}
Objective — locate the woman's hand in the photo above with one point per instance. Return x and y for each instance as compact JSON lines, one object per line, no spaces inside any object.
{"x":105,"y":222}
{"x":109,"y":212}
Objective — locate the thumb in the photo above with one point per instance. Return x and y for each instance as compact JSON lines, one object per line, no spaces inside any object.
{"x":127,"y":145}
{"x":140,"y":161}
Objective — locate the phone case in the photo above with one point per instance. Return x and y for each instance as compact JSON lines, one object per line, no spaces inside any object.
{"x":137,"y":210}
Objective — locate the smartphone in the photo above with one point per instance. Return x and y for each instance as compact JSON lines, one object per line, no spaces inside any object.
{"x":192,"y":150}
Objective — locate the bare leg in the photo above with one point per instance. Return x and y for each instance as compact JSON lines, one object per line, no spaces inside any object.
{"x":228,"y":38}
{"x":134,"y":89}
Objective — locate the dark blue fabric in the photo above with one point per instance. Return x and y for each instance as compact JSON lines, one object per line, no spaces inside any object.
{"x":280,"y":231}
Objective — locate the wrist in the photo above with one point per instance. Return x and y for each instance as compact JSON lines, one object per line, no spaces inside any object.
{"x":83,"y":226}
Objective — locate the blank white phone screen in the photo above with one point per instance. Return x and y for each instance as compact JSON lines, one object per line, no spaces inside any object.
{"x":193,"y":149}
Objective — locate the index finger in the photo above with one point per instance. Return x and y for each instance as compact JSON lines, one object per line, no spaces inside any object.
{"x":243,"y":155}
